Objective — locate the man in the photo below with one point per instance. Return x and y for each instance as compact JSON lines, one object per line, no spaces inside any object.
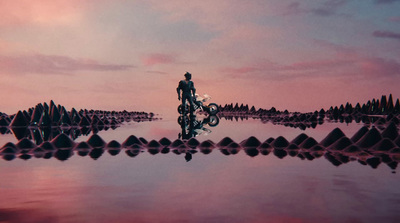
{"x":188,"y":90}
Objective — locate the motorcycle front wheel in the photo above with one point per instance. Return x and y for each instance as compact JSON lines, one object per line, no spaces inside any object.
{"x":213,"y":121}
{"x":213,"y":108}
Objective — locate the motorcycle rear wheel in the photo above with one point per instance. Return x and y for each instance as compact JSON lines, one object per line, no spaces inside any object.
{"x":180,"y":109}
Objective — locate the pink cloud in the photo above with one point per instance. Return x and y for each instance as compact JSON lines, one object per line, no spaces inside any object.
{"x":158,"y":58}
{"x":214,"y":15}
{"x":328,"y":8}
{"x":318,"y":64}
{"x":345,"y":62}
{"x":53,"y":64}
{"x":386,"y":34}
{"x":394,"y":19}
{"x":240,"y":70}
{"x":385,"y":1}
{"x":379,"y":67}
{"x":42,"y":12}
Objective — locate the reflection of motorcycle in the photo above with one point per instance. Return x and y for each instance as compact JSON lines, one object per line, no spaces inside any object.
{"x":211,"y":108}
{"x":192,"y":127}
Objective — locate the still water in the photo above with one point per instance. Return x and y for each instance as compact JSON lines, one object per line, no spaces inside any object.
{"x":213,"y":187}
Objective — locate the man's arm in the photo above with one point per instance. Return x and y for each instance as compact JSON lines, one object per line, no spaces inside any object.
{"x":194,"y":91}
{"x":178,"y":89}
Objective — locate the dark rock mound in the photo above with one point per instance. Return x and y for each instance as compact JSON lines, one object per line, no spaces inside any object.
{"x":269,"y":140}
{"x":359,"y":134}
{"x":25,"y":143}
{"x":280,"y":153}
{"x":264,"y":146}
{"x":292,"y":146}
{"x":47,"y":146}
{"x":395,"y":150}
{"x":131,"y":140}
{"x":207,"y":144}
{"x":3,"y":122}
{"x":251,"y":151}
{"x":374,"y":162}
{"x":308,"y":143}
{"x":83,"y":146}
{"x":9,"y":145}
{"x":250,"y":142}
{"x":63,"y":154}
{"x":8,"y":150}
{"x":84,"y":121}
{"x":341,"y":144}
{"x":143,"y":140}
{"x":332,"y":137}
{"x":45,"y":120}
{"x":19,"y":120}
{"x":384,"y":145}
{"x":224,"y":142}
{"x":397,"y":141}
{"x":153,"y":144}
{"x":299,"y":139}
{"x":352,"y":149}
{"x":62,"y":141}
{"x":233,"y":147}
{"x":317,"y":148}
{"x":369,"y":139}
{"x":192,"y":143}
{"x":177,"y":143}
{"x":113,"y":144}
{"x":95,"y":153}
{"x":165,"y":142}
{"x":96,"y":141}
{"x":280,"y":142}
{"x":390,"y":132}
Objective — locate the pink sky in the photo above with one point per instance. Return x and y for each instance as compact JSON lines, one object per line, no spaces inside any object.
{"x":116,"y":55}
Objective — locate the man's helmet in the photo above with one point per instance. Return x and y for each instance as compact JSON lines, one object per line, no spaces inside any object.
{"x":188,"y":75}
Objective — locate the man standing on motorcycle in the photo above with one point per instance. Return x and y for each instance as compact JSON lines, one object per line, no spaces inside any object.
{"x":188,"y":89}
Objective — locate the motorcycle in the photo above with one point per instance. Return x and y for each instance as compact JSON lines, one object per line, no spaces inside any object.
{"x":198,"y":103}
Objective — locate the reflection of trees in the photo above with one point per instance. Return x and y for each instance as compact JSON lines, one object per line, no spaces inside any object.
{"x":369,"y":147}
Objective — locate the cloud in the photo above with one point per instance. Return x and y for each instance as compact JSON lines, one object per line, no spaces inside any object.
{"x":385,"y":1}
{"x":210,"y":14}
{"x":158,"y":58}
{"x":318,"y":65}
{"x":379,"y":67}
{"x":41,"y":12}
{"x":293,"y":9}
{"x":53,"y":64}
{"x":345,"y":62}
{"x":328,"y":8}
{"x":394,"y":19}
{"x":386,"y":34}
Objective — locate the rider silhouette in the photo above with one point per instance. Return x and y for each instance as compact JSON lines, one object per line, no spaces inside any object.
{"x":187,"y":88}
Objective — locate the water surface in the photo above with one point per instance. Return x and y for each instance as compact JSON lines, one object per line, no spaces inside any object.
{"x":212,"y":187}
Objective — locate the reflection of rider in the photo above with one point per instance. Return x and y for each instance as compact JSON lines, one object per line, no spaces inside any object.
{"x":188,"y":131}
{"x":188,"y":89}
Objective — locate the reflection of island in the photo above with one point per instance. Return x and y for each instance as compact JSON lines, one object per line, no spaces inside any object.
{"x":44,"y":122}
{"x":376,"y":111}
{"x":369,"y":146}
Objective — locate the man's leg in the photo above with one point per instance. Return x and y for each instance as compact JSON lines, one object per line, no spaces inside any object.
{"x":184,"y":104}
{"x":190,"y":99}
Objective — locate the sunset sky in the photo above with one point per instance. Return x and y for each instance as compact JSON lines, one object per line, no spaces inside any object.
{"x":116,"y":55}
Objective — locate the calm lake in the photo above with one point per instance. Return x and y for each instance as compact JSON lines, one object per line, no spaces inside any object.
{"x":216,"y":185}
